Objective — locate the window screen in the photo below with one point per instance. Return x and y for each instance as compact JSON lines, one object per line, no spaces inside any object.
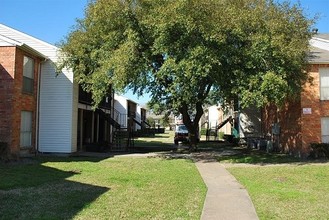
{"x":28,"y":74}
{"x":324,"y":83}
{"x":26,"y":129}
{"x":325,"y":129}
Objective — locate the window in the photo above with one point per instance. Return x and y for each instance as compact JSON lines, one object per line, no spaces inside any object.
{"x":26,"y":129}
{"x":325,"y":130}
{"x":324,"y":83}
{"x":28,"y":75}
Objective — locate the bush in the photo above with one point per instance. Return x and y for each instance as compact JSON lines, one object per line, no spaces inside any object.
{"x":221,"y":135}
{"x":319,"y":150}
{"x":203,"y":131}
{"x":3,"y":151}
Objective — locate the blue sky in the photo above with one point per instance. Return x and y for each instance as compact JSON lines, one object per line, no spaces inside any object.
{"x":50,"y":20}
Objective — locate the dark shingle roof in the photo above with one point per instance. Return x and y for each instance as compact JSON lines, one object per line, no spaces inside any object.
{"x":322,"y":36}
{"x":319,"y":49}
{"x":319,"y":56}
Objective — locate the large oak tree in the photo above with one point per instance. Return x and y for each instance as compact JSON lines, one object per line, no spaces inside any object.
{"x":186,"y":53}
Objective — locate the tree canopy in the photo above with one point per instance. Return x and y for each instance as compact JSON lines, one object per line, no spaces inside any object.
{"x":187,"y":53}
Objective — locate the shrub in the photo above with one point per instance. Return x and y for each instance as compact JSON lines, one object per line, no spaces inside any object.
{"x":3,"y":151}
{"x":221,"y":135}
{"x":203,"y":131}
{"x":319,"y":150}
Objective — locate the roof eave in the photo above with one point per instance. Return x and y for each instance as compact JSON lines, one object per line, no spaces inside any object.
{"x":318,"y":62}
{"x":32,"y":51}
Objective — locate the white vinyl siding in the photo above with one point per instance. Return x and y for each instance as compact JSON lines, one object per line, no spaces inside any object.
{"x":121,"y":110}
{"x":56,"y":111}
{"x":325,"y":130}
{"x":324,"y":83}
{"x":28,"y":74}
{"x":139,"y":117}
{"x":26,"y":129}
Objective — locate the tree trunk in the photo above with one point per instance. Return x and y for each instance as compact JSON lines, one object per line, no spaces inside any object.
{"x":193,"y":138}
{"x":192,"y":126}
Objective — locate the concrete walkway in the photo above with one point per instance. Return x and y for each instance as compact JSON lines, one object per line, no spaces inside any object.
{"x":226,"y":198}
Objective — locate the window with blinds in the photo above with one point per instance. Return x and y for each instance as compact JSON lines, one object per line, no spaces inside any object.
{"x":324,"y":83}
{"x":26,"y":129}
{"x":325,"y":130}
{"x":28,"y":75}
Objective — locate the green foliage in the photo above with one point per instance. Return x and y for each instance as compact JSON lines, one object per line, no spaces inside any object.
{"x":319,"y":150}
{"x":190,"y":53}
{"x":3,"y":151}
{"x":164,"y":121}
{"x":221,"y":135}
{"x":203,"y":131}
{"x":150,"y":121}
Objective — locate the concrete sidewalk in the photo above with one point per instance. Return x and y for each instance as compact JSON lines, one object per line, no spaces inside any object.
{"x":226,"y":198}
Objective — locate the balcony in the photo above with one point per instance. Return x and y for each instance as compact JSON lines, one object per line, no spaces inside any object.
{"x":85,"y":98}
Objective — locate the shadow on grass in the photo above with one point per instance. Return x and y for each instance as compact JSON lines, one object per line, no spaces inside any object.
{"x":142,"y":143}
{"x":155,"y":146}
{"x":260,"y":157}
{"x":216,"y":146}
{"x":151,"y":146}
{"x":256,"y":157}
{"x":34,"y":191}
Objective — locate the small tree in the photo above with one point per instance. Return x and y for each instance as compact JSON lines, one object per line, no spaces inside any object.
{"x":150,"y":121}
{"x":187,"y":53}
{"x":164,"y":121}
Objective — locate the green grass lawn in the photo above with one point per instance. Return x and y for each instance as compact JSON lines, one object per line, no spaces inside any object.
{"x":161,"y":140}
{"x":91,"y":188}
{"x":165,"y":141}
{"x":258,"y":157}
{"x":293,"y":189}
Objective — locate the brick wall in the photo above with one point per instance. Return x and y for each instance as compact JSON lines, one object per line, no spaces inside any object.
{"x":289,"y":119}
{"x":14,"y":100}
{"x":311,"y":123}
{"x":7,"y":72}
{"x":298,"y":130}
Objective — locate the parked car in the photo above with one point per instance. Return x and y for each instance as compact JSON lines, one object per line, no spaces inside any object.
{"x":181,"y":134}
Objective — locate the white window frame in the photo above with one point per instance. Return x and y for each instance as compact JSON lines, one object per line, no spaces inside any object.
{"x":325,"y":129}
{"x":324,"y":83}
{"x":28,"y":75}
{"x":26,"y":128}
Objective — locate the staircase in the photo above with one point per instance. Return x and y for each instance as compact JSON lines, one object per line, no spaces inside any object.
{"x":137,"y":122}
{"x":145,"y":128}
{"x":214,"y":131}
{"x":224,"y":122}
{"x":122,"y":139}
{"x":103,"y":115}
{"x":145,"y":123}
